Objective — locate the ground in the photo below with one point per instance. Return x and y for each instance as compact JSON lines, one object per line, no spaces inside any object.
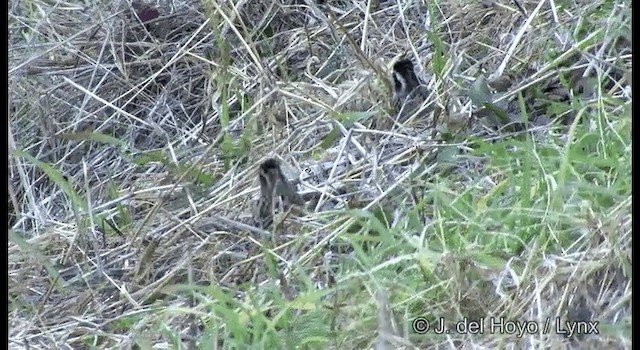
{"x":495,"y":203}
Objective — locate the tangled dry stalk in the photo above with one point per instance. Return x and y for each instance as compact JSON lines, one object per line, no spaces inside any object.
{"x":140,"y":126}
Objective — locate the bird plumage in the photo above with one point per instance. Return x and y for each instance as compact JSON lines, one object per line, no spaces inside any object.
{"x":273,"y":185}
{"x":409,"y":91}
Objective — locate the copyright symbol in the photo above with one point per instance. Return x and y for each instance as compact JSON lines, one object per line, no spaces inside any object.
{"x":420,"y":325}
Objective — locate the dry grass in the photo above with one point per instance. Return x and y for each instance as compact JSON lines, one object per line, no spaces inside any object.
{"x":135,"y":130}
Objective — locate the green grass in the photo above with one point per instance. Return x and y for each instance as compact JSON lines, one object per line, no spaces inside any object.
{"x":541,"y":195}
{"x":519,"y":225}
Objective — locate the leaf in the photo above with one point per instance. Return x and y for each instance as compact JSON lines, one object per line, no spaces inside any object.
{"x":439,"y":58}
{"x":556,"y":109}
{"x":447,"y":154}
{"x":307,"y":301}
{"x":488,"y":259}
{"x":93,"y":136}
{"x":330,"y":138}
{"x":349,"y":118}
{"x":57,"y":177}
{"x":194,"y":175}
{"x":372,"y":220}
{"x":227,"y":147}
{"x":33,"y":252}
{"x":145,"y":158}
{"x":479,"y":92}
{"x":498,"y":112}
{"x":481,"y":205}
{"x":481,"y":96}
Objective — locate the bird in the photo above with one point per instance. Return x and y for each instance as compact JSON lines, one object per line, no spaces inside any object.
{"x":408,"y":89}
{"x":405,"y":80}
{"x":273,"y":186}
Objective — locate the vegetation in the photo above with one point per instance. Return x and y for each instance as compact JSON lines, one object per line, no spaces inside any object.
{"x":135,"y":131}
